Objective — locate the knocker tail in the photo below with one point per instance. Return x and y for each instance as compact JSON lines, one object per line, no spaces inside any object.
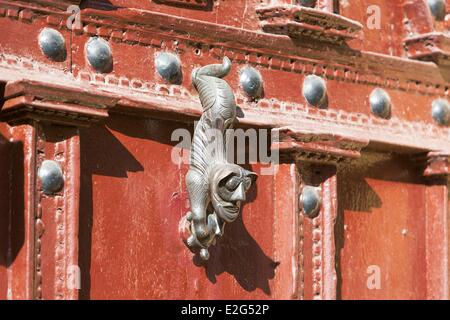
{"x":213,"y":70}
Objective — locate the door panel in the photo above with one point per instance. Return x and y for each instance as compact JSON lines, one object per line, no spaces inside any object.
{"x":382,"y":232}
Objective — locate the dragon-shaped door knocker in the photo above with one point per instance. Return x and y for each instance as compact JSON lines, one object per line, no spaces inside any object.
{"x":216,"y":187}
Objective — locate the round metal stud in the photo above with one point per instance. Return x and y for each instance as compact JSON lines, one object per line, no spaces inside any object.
{"x":315,"y":90}
{"x":52,"y":44}
{"x":307,"y":3}
{"x":440,"y":110}
{"x":311,"y":201}
{"x":168,"y":66}
{"x":251,"y":82}
{"x":380,"y":103}
{"x":437,"y":8}
{"x":99,"y":54}
{"x":51,"y":176}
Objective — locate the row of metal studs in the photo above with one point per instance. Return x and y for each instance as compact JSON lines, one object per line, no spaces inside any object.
{"x":168,"y":65}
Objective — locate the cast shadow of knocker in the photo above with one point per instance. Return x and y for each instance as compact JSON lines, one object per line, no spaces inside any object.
{"x":238,"y":254}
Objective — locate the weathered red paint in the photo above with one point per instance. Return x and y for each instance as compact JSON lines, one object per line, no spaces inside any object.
{"x":383,"y":182}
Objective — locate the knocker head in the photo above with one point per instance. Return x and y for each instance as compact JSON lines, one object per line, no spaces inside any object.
{"x":229,"y":186}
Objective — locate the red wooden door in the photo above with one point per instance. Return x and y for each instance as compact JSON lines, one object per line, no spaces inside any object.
{"x":348,"y":100}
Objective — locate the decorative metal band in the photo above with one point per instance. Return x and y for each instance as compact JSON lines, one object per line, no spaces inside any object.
{"x":301,"y":258}
{"x":317,"y":258}
{"x":56,"y":208}
{"x":38,"y":223}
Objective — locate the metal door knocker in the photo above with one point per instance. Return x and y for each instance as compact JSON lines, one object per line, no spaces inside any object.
{"x":216,"y":187}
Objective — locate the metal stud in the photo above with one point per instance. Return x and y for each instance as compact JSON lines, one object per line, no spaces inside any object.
{"x":52,"y":44}
{"x":51,"y":176}
{"x":251,"y":82}
{"x":315,"y":90}
{"x":437,"y":8}
{"x":380,"y":103}
{"x":169,"y":67}
{"x":440,"y":110}
{"x":99,"y":54}
{"x":307,"y":3}
{"x":311,"y":200}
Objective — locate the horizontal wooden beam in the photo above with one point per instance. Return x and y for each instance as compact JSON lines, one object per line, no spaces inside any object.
{"x":168,"y":102}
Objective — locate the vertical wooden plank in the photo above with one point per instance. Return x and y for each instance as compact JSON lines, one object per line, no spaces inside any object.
{"x":5,"y":198}
{"x":286,"y":236}
{"x":437,"y":240}
{"x":382,"y":229}
{"x":20,"y":257}
{"x":329,"y":213}
{"x":437,"y":170}
{"x":72,"y":194}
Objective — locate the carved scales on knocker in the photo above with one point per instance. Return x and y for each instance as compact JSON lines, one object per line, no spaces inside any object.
{"x":216,"y":187}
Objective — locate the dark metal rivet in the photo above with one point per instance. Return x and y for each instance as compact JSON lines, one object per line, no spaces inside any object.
{"x":307,"y":3}
{"x":99,"y":54}
{"x":437,"y":8}
{"x":169,"y":67}
{"x":251,"y":82}
{"x":314,"y":90}
{"x":52,"y":44}
{"x":440,"y":110}
{"x":311,"y":200}
{"x":380,"y":103}
{"x":51,"y":176}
